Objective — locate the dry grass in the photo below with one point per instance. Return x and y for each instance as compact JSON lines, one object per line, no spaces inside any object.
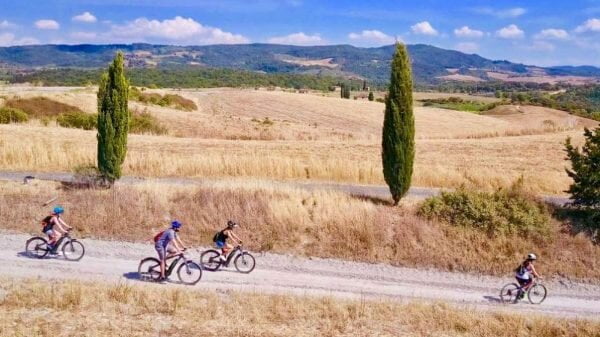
{"x":483,"y":163}
{"x":39,"y":107}
{"x":36,"y":308}
{"x":286,"y":220}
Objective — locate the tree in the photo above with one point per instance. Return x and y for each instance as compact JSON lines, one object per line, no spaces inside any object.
{"x":113,"y":120}
{"x":398,"y":140}
{"x":371,"y":96}
{"x":345,"y":91}
{"x":585,"y":172}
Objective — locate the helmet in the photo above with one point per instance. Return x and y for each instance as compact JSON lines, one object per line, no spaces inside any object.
{"x":175,"y":224}
{"x":231,"y":224}
{"x":531,"y":257}
{"x":58,"y":210}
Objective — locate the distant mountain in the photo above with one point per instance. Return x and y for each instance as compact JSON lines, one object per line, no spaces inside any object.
{"x":430,"y":64}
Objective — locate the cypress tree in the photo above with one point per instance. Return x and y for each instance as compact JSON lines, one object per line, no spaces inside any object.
{"x":342,"y":90}
{"x":113,"y":120}
{"x":398,"y":140}
{"x":585,"y":171}
{"x":371,"y":96}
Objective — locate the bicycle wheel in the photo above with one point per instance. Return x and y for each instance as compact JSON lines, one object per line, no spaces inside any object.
{"x":537,"y":294}
{"x":73,"y":250}
{"x":244,"y":263}
{"x":509,"y":293}
{"x":189,"y":273}
{"x":149,"y":269}
{"x":209,"y":260}
{"x":37,"y":247}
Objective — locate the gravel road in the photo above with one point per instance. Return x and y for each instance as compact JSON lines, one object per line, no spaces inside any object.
{"x":113,"y":262}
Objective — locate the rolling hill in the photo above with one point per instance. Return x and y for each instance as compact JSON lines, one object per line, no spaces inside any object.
{"x":430,"y":64}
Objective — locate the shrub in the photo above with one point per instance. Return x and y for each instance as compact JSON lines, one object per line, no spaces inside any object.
{"x":40,"y":107}
{"x":78,"y":120}
{"x":12,"y":115}
{"x":498,"y":213}
{"x":168,"y":100}
{"x":145,"y":123}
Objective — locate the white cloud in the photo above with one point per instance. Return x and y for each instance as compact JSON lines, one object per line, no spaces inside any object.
{"x":372,"y":36}
{"x":298,"y":39}
{"x":552,"y":34}
{"x":510,"y":32}
{"x":85,"y":17}
{"x":467,"y":32}
{"x":47,"y":24}
{"x":8,"y":39}
{"x":4,"y":24}
{"x":179,"y":29}
{"x":467,"y":47}
{"x":424,"y":28}
{"x":591,"y":25}
{"x":502,"y":13}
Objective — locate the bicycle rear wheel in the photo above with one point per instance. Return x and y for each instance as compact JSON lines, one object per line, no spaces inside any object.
{"x":537,"y":294}
{"x":509,"y":293}
{"x":189,"y":272}
{"x":244,"y":263}
{"x":73,"y":250}
{"x":149,"y":269}
{"x":37,"y":247}
{"x":209,"y":260}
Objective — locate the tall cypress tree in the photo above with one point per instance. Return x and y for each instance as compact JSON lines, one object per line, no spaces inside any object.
{"x":113,"y":120}
{"x":398,"y":141}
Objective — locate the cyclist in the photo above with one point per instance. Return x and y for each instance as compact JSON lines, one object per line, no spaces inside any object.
{"x":525,"y":273}
{"x":54,"y":226}
{"x":168,"y":244}
{"x":223,"y":237}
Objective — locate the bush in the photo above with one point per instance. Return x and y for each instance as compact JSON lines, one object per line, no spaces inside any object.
{"x":145,"y":123}
{"x":168,"y":100}
{"x":11,"y":115}
{"x":498,"y":213}
{"x":78,"y":120}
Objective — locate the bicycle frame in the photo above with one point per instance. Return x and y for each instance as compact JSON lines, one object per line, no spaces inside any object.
{"x":174,"y":263}
{"x":60,"y":241}
{"x":231,"y":255}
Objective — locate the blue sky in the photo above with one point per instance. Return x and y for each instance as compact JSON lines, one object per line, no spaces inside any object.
{"x":534,"y":32}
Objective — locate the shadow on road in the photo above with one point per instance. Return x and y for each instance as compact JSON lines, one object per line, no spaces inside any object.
{"x":133,"y":275}
{"x":492,"y":299}
{"x":33,"y":257}
{"x":372,"y":199}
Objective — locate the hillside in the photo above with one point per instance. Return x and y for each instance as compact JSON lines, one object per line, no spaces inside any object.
{"x":430,"y":64}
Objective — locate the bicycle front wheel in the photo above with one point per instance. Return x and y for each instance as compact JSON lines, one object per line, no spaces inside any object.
{"x":73,"y":250}
{"x":36,"y":247}
{"x":189,"y":273}
{"x":509,"y":293}
{"x":244,"y":263}
{"x":537,"y":294}
{"x":149,"y":269}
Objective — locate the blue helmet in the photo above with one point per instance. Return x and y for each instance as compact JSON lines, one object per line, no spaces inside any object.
{"x":175,"y":224}
{"x":58,"y":210}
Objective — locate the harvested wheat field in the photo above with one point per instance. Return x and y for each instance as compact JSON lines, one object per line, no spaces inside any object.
{"x":282,"y":135}
{"x":33,"y":307}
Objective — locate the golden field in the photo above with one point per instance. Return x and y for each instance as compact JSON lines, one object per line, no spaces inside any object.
{"x":36,"y":308}
{"x":295,"y":221}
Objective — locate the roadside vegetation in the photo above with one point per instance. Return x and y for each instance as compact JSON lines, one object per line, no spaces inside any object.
{"x":318,"y":223}
{"x":133,"y":310}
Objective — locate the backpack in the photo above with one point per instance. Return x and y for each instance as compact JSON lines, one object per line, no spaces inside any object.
{"x":46,"y":225}
{"x":217,"y":237}
{"x":519,"y":270}
{"x":158,"y":235}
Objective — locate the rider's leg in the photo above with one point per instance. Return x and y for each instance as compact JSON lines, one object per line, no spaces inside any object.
{"x":226,"y":248}
{"x":161,"y":257}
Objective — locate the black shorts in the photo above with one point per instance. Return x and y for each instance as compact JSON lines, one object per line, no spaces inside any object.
{"x":523,"y":282}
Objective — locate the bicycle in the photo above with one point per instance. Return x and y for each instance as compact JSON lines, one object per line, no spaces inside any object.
{"x":512,"y":292}
{"x":244,"y":262}
{"x":72,"y":249}
{"x":189,"y":272}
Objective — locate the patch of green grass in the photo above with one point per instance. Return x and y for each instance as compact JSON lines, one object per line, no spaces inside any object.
{"x":78,"y":120}
{"x":459,"y":104}
{"x":12,"y":115}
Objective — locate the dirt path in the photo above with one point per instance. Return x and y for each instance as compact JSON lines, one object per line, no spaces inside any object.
{"x":113,"y":261}
{"x":373,"y":191}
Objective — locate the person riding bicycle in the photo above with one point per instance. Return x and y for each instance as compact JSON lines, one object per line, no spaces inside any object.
{"x":525,"y":274}
{"x":222,"y":239}
{"x":168,"y":244}
{"x":54,"y":227}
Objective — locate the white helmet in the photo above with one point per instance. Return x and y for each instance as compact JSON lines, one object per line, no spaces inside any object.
{"x":531,"y":256}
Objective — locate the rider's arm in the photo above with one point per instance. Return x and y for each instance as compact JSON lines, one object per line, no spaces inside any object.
{"x":59,"y":225}
{"x":235,"y":237}
{"x":534,"y":272}
{"x":179,"y":244}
